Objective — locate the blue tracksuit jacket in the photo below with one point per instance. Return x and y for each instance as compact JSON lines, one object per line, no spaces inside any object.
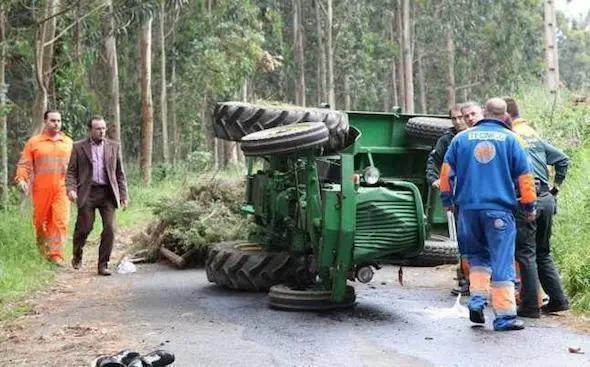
{"x":481,"y":168}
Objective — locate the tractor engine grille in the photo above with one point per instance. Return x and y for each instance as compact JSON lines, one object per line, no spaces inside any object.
{"x":387,"y":224}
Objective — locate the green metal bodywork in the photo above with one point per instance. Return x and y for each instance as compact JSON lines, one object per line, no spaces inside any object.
{"x":320,"y":206}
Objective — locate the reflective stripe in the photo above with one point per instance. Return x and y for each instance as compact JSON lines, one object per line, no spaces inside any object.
{"x":465,"y":266}
{"x":51,"y":170}
{"x":503,"y":301}
{"x":526,"y":186}
{"x":479,"y":280}
{"x":48,"y":159}
{"x":445,"y":184}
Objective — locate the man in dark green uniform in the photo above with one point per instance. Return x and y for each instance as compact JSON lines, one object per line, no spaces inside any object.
{"x":435,"y":161}
{"x":533,"y":250}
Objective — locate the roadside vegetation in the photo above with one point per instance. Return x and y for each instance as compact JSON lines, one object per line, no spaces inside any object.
{"x":22,"y":269}
{"x":567,"y":125}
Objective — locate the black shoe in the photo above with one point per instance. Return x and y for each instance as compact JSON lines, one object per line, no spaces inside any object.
{"x":126,"y":356}
{"x":76,"y":263}
{"x":158,"y":358}
{"x":103,"y":270}
{"x":107,"y":361}
{"x":462,"y":290}
{"x":477,"y":316}
{"x":529,"y":313}
{"x":508,"y":325}
{"x":556,"y":306}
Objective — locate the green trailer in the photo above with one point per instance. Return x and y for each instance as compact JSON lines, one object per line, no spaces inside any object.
{"x":333,"y":196}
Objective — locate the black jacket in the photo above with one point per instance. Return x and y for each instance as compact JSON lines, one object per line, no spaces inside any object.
{"x":437,"y":156}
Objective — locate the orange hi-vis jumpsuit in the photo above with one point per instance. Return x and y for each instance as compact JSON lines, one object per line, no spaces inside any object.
{"x":44,"y":162}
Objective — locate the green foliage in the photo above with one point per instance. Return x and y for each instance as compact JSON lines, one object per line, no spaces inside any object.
{"x":574,"y":57}
{"x":21,"y":267}
{"x":559,"y":120}
{"x":209,"y":212}
{"x":568,"y":127}
{"x":571,"y":238}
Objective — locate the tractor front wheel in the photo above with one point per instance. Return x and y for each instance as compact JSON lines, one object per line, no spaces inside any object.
{"x":244,"y":266}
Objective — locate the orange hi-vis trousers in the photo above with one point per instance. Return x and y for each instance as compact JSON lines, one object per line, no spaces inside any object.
{"x":44,"y":162}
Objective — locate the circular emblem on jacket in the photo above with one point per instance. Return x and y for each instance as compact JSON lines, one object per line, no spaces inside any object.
{"x":499,"y":223}
{"x":484,"y":152}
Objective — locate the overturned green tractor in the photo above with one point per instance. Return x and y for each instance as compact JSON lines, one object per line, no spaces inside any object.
{"x":334,"y":196}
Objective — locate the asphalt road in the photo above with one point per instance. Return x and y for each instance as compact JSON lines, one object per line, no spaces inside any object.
{"x":391,"y":325}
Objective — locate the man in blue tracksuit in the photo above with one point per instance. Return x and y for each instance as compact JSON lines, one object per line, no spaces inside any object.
{"x":479,"y":173}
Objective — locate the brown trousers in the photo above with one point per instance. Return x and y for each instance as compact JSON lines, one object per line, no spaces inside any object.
{"x":101,"y":198}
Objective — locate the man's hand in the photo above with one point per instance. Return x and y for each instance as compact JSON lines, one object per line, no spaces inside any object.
{"x":531,"y":216}
{"x":436,"y":184}
{"x":125,"y":204}
{"x":23,"y":186}
{"x":73,"y":195}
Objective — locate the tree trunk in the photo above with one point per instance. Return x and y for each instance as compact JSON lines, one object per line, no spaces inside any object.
{"x":111,"y":65}
{"x":451,"y":91}
{"x":322,"y":80}
{"x":78,"y":51}
{"x":163,"y":97}
{"x":3,"y":112}
{"x":408,"y":65}
{"x":400,"y":67}
{"x":44,"y":62}
{"x":299,"y":56}
{"x":422,"y":83}
{"x":347,"y":98}
{"x":175,"y":129}
{"x":147,"y":113}
{"x":330,"y":46}
{"x":395,"y":97}
{"x":552,"y":77}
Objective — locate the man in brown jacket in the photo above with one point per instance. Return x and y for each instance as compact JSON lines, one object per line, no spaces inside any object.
{"x":96,"y":180}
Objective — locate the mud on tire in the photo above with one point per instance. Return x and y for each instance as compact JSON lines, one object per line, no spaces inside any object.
{"x":241,"y":265}
{"x":427,"y":130}
{"x":233,"y":120}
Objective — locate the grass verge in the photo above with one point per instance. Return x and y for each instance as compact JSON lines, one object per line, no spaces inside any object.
{"x":22,"y":270}
{"x":571,"y":237}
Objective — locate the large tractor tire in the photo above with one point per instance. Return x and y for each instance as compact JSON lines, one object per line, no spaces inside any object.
{"x":427,"y":130}
{"x":285,"y":139}
{"x":243,"y":266}
{"x":234,"y":120}
{"x":437,"y":251}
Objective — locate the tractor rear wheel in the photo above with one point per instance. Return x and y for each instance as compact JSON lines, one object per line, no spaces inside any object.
{"x":287,"y":298}
{"x":285,"y":139}
{"x":438,"y":250}
{"x":427,"y":130}
{"x":244,"y":266}
{"x":234,"y":120}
